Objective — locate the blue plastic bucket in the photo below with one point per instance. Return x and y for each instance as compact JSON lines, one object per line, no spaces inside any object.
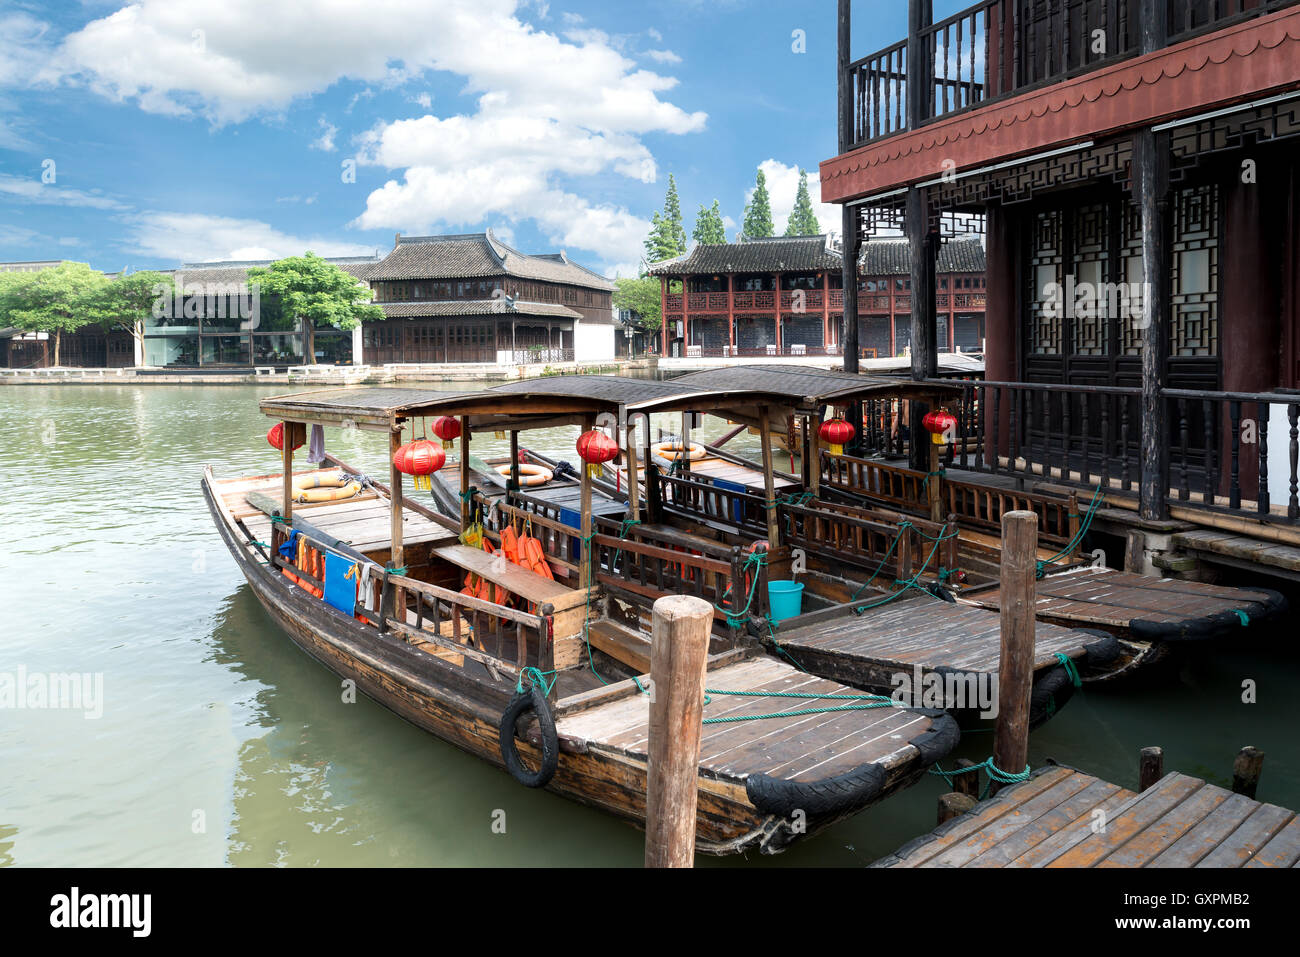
{"x":785,"y":599}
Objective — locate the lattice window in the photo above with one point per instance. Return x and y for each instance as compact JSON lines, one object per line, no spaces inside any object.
{"x":1194,"y":273}
{"x":1046,"y":292}
{"x":1091,"y":266}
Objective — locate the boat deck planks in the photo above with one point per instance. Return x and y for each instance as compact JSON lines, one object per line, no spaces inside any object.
{"x":1048,"y":821}
{"x":803,"y":748}
{"x":928,"y":633}
{"x":1107,"y":597}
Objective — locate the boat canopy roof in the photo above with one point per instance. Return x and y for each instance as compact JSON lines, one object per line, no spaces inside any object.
{"x":807,"y":386}
{"x":534,"y":403}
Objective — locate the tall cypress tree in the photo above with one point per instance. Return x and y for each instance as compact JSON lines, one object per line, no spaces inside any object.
{"x":803,"y":222}
{"x":708,"y":226}
{"x":673,"y":214}
{"x":758,"y":214}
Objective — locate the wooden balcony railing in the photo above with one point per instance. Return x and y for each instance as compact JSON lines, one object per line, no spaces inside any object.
{"x":997,"y":48}
{"x":1219,"y":444}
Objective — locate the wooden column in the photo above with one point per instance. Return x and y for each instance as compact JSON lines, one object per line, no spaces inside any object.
{"x":584,"y":574}
{"x":844,"y":87}
{"x":633,"y":478}
{"x":776,"y":286}
{"x":1016,"y":664}
{"x":396,"y":553}
{"x":826,"y":310}
{"x":769,"y":482}
{"x":731,"y":315}
{"x":923,"y":247}
{"x":1150,"y":174}
{"x":679,"y":651}
{"x":852,"y":246}
{"x":934,"y":487}
{"x":466,"y":507}
{"x":1151,"y":181}
{"x":815,"y":450}
{"x":1001,"y":329}
{"x":513,"y":484}
{"x":286,"y":460}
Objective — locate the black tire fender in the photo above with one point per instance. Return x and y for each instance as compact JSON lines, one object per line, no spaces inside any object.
{"x":1049,"y":695}
{"x":534,"y":700}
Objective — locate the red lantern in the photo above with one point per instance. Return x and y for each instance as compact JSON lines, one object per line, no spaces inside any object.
{"x":835,"y":433}
{"x":420,"y":458}
{"x":595,"y":447}
{"x":940,"y":424}
{"x":275,"y":436}
{"x":447,"y":428}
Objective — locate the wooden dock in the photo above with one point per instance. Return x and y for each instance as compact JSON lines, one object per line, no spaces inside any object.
{"x":1065,"y":818}
{"x":1152,"y":609}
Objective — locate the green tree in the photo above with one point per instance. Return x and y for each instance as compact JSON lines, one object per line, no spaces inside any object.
{"x":667,"y":238}
{"x":128,"y":300}
{"x":318,"y":291}
{"x":758,"y":214}
{"x":56,"y":300}
{"x":641,"y":296}
{"x":709,"y":228}
{"x":803,"y":221}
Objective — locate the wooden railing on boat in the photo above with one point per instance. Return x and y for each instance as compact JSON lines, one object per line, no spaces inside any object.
{"x":446,"y":622}
{"x":637,"y":562}
{"x":975,"y":504}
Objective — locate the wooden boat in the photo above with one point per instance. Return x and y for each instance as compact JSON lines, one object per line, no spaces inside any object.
{"x":370,"y":587}
{"x":697,"y":537}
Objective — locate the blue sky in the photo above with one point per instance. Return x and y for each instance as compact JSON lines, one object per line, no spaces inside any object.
{"x":167,"y":131}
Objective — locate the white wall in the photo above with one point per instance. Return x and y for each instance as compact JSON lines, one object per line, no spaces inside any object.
{"x":593,"y":343}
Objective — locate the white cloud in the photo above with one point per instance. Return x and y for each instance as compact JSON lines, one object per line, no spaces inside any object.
{"x":197,"y":237}
{"x":230,"y":61}
{"x":663,"y":56}
{"x":783,"y":185}
{"x":550,"y":108}
{"x":34,"y":191}
{"x":325,"y":141}
{"x":424,"y":100}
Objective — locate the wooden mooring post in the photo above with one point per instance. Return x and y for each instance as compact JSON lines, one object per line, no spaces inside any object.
{"x":1151,"y":767}
{"x":1016,"y":665}
{"x":679,"y":650}
{"x":1246,"y":770}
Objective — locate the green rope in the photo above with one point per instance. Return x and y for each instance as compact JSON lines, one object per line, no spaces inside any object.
{"x":396,"y":571}
{"x":535,"y":677}
{"x":1243,"y":617}
{"x":1077,"y":538}
{"x":929,"y":475}
{"x":735,"y":619}
{"x":910,"y":582}
{"x":467,"y":496}
{"x":1070,"y":669}
{"x":866,"y":702}
{"x":994,"y":772}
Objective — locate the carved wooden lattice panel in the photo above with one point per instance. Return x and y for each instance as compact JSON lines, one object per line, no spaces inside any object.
{"x":1194,"y":273}
{"x":1131,"y":254}
{"x":1045,"y":284}
{"x":1091,"y":266}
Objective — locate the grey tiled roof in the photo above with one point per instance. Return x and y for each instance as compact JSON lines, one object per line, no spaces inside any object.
{"x":890,"y":257}
{"x":880,"y":257}
{"x":476,"y":256}
{"x":476,"y":307}
{"x":237,"y":270}
{"x":778,"y":254}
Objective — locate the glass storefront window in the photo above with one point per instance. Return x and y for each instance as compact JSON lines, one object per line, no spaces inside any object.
{"x":277,"y":350}
{"x":224,"y":350}
{"x":333,"y":348}
{"x":177,"y":350}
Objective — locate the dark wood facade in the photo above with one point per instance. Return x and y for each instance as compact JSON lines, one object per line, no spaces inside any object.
{"x":1138,"y":197}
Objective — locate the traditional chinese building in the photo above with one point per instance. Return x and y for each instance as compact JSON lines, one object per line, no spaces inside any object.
{"x":472,"y":298}
{"x":1136,"y":167}
{"x":784,"y":296}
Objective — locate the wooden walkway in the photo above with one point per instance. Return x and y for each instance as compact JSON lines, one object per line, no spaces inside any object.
{"x":1065,"y":818}
{"x":1144,"y":607}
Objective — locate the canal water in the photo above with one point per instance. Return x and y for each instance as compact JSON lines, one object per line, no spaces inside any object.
{"x":220,"y":743}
